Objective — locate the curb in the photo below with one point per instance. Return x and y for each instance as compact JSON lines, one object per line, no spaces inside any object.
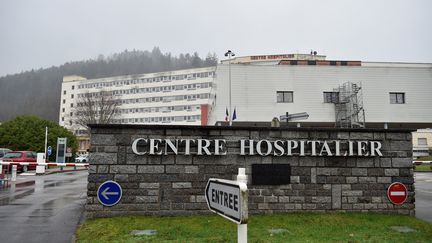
{"x":62,"y":171}
{"x":81,"y":220}
{"x":46,"y":173}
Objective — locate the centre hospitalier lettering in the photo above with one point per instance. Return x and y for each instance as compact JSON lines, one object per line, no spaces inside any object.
{"x":145,"y":146}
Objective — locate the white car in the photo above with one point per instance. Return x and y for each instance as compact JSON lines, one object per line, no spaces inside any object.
{"x":81,"y":159}
{"x":3,"y":151}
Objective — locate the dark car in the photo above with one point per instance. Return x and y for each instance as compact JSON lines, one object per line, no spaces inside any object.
{"x":22,"y":156}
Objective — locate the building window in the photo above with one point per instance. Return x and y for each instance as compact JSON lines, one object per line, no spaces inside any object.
{"x":73,"y":87}
{"x":64,"y":101}
{"x":62,"y":118}
{"x":331,"y":97}
{"x":71,"y":104}
{"x":63,"y":109}
{"x":284,"y":97}
{"x":72,"y":96}
{"x":422,"y":141}
{"x":397,"y":98}
{"x":64,"y":92}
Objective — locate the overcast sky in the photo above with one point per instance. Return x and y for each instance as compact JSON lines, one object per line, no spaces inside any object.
{"x":42,"y":33}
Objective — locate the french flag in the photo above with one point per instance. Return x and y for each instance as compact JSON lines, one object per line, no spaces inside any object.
{"x":226,"y":114}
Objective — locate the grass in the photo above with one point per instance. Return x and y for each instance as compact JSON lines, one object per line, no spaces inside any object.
{"x":427,"y":158}
{"x":297,"y":227}
{"x":423,"y":167}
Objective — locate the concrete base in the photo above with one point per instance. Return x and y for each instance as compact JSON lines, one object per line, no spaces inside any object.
{"x":40,"y":169}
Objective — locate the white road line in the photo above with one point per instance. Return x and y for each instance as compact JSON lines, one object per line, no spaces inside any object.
{"x":424,"y":191}
{"x":28,"y":174}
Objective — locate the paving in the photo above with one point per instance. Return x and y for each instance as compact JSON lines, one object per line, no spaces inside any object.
{"x":43,"y":208}
{"x":423,"y":189}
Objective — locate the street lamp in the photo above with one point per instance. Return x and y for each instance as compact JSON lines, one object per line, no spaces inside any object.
{"x":229,"y":54}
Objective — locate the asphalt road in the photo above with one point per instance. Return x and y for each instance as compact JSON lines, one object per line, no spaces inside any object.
{"x":423,"y":188}
{"x":44,"y":209}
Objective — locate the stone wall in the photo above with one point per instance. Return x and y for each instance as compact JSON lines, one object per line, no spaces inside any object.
{"x":174,"y":184}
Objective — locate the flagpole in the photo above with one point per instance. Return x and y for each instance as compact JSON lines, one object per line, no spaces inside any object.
{"x":230,"y":112}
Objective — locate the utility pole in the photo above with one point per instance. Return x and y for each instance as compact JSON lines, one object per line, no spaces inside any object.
{"x":46,"y":141}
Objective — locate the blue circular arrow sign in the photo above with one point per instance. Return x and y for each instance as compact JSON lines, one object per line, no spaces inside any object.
{"x":49,"y":150}
{"x":109,"y":193}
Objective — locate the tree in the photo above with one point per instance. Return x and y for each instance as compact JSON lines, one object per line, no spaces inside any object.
{"x":196,"y":60}
{"x":96,"y":108}
{"x":28,"y":133}
{"x":211,"y":60}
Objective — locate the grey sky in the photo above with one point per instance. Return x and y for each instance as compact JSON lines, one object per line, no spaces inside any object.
{"x":43,"y":33}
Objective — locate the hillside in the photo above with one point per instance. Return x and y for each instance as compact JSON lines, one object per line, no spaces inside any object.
{"x":37,"y":92}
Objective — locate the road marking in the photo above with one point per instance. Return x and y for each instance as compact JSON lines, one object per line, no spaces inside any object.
{"x":28,"y":174}
{"x":424,"y":191}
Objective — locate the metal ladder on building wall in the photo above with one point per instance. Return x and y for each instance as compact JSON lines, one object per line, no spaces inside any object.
{"x":349,"y":112}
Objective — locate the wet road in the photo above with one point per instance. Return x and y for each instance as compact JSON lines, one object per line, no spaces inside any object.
{"x":45,"y":209}
{"x":423,"y":187}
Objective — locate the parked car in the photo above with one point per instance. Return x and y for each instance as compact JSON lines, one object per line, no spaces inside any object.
{"x":81,"y":159}
{"x":21,"y":156}
{"x":3,"y":151}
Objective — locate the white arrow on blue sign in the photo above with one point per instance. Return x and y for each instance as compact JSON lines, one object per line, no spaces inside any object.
{"x":109,"y":193}
{"x":49,"y":150}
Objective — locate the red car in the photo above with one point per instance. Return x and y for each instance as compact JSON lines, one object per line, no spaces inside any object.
{"x":22,"y":156}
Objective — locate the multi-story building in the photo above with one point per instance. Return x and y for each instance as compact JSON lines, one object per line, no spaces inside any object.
{"x":174,"y":97}
{"x":422,"y":142}
{"x":332,"y":93}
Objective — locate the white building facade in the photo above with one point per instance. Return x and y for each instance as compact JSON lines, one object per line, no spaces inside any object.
{"x":393,"y":95}
{"x":422,"y":142}
{"x":176,"y":97}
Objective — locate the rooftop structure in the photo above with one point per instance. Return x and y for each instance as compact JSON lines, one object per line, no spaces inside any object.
{"x":274,"y":59}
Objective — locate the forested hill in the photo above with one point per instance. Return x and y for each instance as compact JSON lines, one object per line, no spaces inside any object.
{"x":37,"y":92}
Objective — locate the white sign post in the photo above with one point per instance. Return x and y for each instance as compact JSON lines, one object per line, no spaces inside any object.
{"x":14,"y":173}
{"x":230,"y":200}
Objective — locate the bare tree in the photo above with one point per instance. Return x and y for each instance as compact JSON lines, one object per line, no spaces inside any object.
{"x":96,"y":108}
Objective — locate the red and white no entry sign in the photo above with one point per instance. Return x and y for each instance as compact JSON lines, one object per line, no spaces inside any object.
{"x":397,"y":193}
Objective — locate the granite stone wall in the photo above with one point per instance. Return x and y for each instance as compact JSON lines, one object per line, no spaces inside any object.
{"x":174,"y":184}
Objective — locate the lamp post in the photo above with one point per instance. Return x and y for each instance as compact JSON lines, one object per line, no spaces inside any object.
{"x":229,"y":54}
